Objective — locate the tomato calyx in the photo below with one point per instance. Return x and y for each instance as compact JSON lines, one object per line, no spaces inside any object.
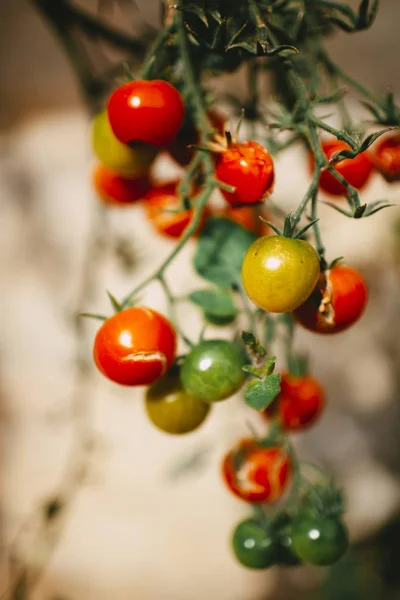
{"x":289,"y":227}
{"x":297,"y":364}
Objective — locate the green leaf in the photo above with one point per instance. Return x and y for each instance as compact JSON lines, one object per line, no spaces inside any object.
{"x":215,"y":302}
{"x":114,"y":302}
{"x":220,"y":251}
{"x":260,"y":394}
{"x":248,"y":338}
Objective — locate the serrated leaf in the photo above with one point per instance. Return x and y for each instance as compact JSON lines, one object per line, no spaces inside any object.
{"x":260,"y":394}
{"x":215,"y":302}
{"x":220,"y":251}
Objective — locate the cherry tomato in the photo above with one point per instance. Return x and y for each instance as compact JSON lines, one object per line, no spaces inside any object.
{"x":253,"y":546}
{"x":285,"y":552}
{"x":248,"y":217}
{"x":355,"y":170}
{"x":255,"y":473}
{"x":160,"y":200}
{"x":117,"y":190}
{"x":212,"y":371}
{"x":146,"y":111}
{"x":338,"y":301}
{"x":300,"y":402}
{"x":135,"y":346}
{"x":171,"y":408}
{"x":126,"y":161}
{"x":280,"y":273}
{"x":319,"y":540}
{"x":249,"y":168}
{"x":387,"y":157}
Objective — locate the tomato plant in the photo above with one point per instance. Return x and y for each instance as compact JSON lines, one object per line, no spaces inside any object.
{"x":135,"y":346}
{"x":146,"y":111}
{"x":338,"y":301}
{"x":248,"y":217}
{"x":253,"y":546}
{"x":117,"y":190}
{"x":319,"y":540}
{"x":255,"y":473}
{"x":387,"y":157}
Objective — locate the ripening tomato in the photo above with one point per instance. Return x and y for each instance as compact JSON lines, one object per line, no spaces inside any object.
{"x":253,"y":545}
{"x":256,"y":473}
{"x":299,"y":404}
{"x":280,"y":273}
{"x":387,"y":157}
{"x":319,"y":540}
{"x":117,"y":190}
{"x":212,"y":371}
{"x":171,"y":408}
{"x":129,"y":162}
{"x":249,"y":168}
{"x":338,"y":301}
{"x":146,"y":111}
{"x":135,"y":346}
{"x":355,"y":170}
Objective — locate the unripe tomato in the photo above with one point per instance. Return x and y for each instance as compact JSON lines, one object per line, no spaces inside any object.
{"x":135,"y":346}
{"x":338,"y":301}
{"x":387,"y":157}
{"x":117,"y":190}
{"x":299,"y":404}
{"x":355,"y":170}
{"x":285,"y":552}
{"x":171,"y":408}
{"x":253,"y":546}
{"x":249,"y":168}
{"x":146,"y":111}
{"x":255,"y":473}
{"x":212,"y":371}
{"x":280,"y":273}
{"x":126,"y":161}
{"x":318,"y":540}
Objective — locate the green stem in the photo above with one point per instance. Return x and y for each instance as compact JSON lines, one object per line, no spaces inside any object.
{"x":155,"y":51}
{"x":172,"y":310}
{"x":338,"y":133}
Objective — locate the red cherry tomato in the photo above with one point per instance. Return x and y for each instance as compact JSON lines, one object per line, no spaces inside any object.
{"x":249,"y":168}
{"x":146,"y":111}
{"x":117,"y":190}
{"x":135,"y":346}
{"x":355,"y":170}
{"x":299,"y":404}
{"x":338,"y":301}
{"x":161,"y":199}
{"x":255,"y":473}
{"x":248,"y":217}
{"x":387,"y":157}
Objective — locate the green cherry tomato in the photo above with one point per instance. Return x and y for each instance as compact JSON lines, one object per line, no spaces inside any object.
{"x":212,"y":371}
{"x":318,"y":540}
{"x":280,"y":273}
{"x":124,"y":160}
{"x":285,"y":553}
{"x":253,"y":546}
{"x":171,"y":408}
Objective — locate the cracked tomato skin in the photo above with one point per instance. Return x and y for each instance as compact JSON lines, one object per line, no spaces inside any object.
{"x":146,"y":111}
{"x":299,"y":404}
{"x":338,"y":301}
{"x":356,"y":170}
{"x":387,"y":157}
{"x":253,"y":546}
{"x":135,"y":346}
{"x":250,"y":169}
{"x":280,"y":273}
{"x":255,"y":473}
{"x":116,"y":190}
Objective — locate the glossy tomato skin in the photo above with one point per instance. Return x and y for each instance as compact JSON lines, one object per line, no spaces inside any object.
{"x":125,"y":161}
{"x":116,"y":190}
{"x":280,"y":273}
{"x":356,"y":170}
{"x":146,"y":111}
{"x":173,"y":410}
{"x":212,"y":371}
{"x":337,"y":302}
{"x":255,"y":473}
{"x":250,"y":169}
{"x":253,"y":546}
{"x":387,"y":157}
{"x":319,"y":540}
{"x":299,"y":404}
{"x":135,"y":346}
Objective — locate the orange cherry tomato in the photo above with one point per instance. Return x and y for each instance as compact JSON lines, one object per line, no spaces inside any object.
{"x":255,"y":473}
{"x":135,"y":346}
{"x":387,"y":157}
{"x":116,"y":190}
{"x":338,"y":301}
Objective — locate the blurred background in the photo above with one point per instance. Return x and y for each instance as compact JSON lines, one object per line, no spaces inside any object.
{"x":99,"y":503}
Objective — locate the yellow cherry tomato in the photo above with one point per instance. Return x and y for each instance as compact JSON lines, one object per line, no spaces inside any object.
{"x":280,"y":273}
